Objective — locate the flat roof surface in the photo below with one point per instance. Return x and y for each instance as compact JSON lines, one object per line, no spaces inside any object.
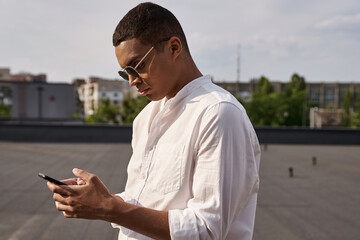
{"x":320,"y":202}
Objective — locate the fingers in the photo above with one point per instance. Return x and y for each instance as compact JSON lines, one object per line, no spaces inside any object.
{"x":65,"y":205}
{"x":66,"y":210}
{"x":80,"y":181}
{"x":57,"y":189}
{"x":63,"y":200}
{"x":70,"y":181}
{"x":74,"y":198}
{"x":82,"y":174}
{"x":70,"y":215}
{"x":74,"y":181}
{"x":64,"y":190}
{"x":81,"y":197}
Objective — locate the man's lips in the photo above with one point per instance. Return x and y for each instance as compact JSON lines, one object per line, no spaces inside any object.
{"x":143,"y":92}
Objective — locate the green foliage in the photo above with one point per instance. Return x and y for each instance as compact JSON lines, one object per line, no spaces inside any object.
{"x":107,"y":113}
{"x":295,"y":101}
{"x":355,"y":122}
{"x":76,"y":116}
{"x":5,"y":111}
{"x":296,"y":108}
{"x":263,"y":87}
{"x":132,"y":107}
{"x":289,"y":108}
{"x":346,"y":109}
{"x":265,"y":110}
{"x":296,"y":84}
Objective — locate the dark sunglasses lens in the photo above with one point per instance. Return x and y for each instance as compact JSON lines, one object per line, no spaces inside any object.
{"x":131,"y":71}
{"x":124,"y":75}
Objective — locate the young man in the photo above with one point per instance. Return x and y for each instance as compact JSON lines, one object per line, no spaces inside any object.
{"x":194,"y":169}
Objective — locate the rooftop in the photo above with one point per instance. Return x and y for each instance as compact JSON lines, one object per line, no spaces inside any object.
{"x":319,"y":202}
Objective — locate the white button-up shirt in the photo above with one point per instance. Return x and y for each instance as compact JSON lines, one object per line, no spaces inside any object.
{"x":197,"y":156}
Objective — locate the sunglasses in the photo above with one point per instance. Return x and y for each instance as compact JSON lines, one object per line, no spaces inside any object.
{"x":129,"y":70}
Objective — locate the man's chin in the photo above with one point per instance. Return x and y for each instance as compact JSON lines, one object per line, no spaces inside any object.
{"x":153,"y":98}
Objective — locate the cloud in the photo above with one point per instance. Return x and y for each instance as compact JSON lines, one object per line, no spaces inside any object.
{"x":276,"y":45}
{"x":277,"y":37}
{"x":341,"y":22}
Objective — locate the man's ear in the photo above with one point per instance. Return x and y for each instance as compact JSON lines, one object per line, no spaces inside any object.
{"x":175,"y":47}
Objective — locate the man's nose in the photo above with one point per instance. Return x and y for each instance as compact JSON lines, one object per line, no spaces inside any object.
{"x":133,"y":80}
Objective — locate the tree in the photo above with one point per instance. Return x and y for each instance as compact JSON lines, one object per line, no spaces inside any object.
{"x":5,"y":111}
{"x":263,"y":109}
{"x":266,"y":110}
{"x":107,"y":113}
{"x":355,"y":122}
{"x":296,"y":84}
{"x":346,"y":109}
{"x":295,"y":101}
{"x":263,"y":87}
{"x":296,"y":108}
{"x":132,"y":107}
{"x":288,"y":108}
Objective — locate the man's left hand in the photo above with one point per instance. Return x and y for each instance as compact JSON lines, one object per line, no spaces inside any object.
{"x":87,"y":197}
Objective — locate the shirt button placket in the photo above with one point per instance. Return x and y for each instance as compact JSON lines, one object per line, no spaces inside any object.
{"x":145,"y":170}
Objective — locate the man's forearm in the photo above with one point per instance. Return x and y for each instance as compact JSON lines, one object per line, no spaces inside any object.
{"x":146,"y":221}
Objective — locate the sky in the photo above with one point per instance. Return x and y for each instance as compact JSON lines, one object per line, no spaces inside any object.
{"x":317,"y":39}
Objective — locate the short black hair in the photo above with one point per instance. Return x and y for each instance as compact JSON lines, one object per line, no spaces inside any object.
{"x":149,"y":23}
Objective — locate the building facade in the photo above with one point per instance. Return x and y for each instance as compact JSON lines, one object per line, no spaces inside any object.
{"x":322,"y":94}
{"x":5,"y":74}
{"x":30,"y":97}
{"x":5,"y":87}
{"x":94,"y":89}
{"x":42,"y":101}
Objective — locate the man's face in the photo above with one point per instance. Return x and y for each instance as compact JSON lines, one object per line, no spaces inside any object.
{"x":156,"y":80}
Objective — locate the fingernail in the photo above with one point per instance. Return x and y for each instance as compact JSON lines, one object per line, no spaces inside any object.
{"x":75,"y":170}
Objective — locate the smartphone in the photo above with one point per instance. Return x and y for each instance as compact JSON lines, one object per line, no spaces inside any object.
{"x":50,"y":179}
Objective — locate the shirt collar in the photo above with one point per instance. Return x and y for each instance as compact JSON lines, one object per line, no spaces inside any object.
{"x":188,"y":89}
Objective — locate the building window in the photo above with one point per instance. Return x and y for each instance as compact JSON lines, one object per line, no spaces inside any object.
{"x":329,"y":95}
{"x":314,"y":95}
{"x":91,"y":91}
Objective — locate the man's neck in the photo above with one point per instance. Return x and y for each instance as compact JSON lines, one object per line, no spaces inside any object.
{"x":187,"y":73}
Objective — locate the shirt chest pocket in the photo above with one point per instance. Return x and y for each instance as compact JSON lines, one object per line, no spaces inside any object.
{"x":166,"y":168}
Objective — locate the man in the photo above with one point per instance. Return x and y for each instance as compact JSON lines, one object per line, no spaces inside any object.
{"x":194,"y":169}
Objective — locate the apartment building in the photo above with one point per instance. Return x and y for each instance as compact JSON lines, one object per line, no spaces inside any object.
{"x":5,"y":87}
{"x":43,"y":101}
{"x":32,"y":98}
{"x":94,"y":89}
{"x":331,"y":94}
{"x":323,"y":94}
{"x":5,"y":74}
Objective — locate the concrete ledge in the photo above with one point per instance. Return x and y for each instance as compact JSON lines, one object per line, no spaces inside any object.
{"x":65,"y":133}
{"x":123,"y":134}
{"x":338,"y":136}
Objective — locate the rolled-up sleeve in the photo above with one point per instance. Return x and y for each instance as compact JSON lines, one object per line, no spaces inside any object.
{"x":225,"y":175}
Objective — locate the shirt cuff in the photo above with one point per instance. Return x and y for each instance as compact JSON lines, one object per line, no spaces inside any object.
{"x":183,"y":225}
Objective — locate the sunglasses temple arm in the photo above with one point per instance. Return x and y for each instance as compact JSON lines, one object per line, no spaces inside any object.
{"x":144,"y":57}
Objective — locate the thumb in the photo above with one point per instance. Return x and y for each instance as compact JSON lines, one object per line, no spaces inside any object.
{"x":82,"y":174}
